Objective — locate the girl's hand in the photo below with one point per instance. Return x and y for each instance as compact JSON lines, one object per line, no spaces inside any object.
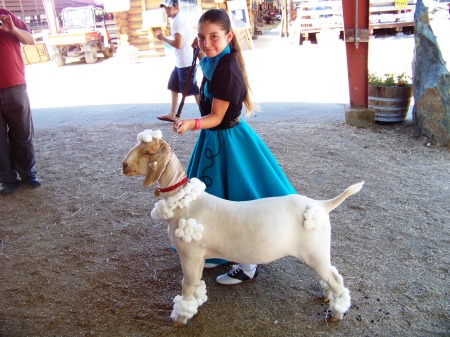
{"x":194,"y":44}
{"x":182,"y":126}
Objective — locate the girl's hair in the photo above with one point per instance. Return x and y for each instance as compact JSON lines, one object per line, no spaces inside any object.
{"x":220,"y":18}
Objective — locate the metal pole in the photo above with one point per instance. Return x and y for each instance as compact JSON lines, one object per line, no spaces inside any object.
{"x":356,"y":24}
{"x":356,"y":20}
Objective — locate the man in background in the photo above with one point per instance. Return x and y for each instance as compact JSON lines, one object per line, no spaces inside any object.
{"x":17,"y":158}
{"x":181,"y":39}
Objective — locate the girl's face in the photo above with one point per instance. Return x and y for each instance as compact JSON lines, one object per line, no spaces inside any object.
{"x":212,"y":40}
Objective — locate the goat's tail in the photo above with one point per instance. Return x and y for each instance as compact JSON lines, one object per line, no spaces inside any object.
{"x":331,"y":204}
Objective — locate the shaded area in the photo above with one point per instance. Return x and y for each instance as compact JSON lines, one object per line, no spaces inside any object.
{"x":81,"y":255}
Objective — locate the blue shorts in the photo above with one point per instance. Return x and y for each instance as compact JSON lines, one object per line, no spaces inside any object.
{"x":178,"y":80}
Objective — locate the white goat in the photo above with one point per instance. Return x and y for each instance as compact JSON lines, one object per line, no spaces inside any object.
{"x":203,"y":226}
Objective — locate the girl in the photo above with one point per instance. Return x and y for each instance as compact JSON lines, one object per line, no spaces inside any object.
{"x":228,"y":156}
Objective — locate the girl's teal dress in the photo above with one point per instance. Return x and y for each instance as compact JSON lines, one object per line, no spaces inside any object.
{"x":231,"y":159}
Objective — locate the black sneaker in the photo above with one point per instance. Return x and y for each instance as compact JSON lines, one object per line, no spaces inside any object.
{"x":8,"y":188}
{"x":31,"y":182}
{"x":236,"y":275}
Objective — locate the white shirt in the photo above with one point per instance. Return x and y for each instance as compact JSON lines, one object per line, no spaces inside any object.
{"x":184,"y":55}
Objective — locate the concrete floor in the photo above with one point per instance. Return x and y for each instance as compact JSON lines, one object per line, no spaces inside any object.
{"x":288,"y":80}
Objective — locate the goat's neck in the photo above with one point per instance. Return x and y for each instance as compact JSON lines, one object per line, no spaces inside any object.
{"x":172,"y":175}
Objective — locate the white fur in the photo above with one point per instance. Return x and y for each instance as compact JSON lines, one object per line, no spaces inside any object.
{"x":315,"y":217}
{"x":257,"y":231}
{"x":200,"y":293}
{"x":164,"y":208}
{"x":188,"y":308}
{"x":185,"y":308}
{"x":147,"y":135}
{"x":189,"y":230}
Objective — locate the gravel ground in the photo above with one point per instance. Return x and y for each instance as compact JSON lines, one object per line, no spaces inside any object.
{"x":80,"y":256}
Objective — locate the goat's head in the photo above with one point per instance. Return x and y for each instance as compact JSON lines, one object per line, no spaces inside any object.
{"x":149,"y":157}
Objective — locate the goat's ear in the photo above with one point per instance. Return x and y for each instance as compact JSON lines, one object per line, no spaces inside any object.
{"x":157,"y":167}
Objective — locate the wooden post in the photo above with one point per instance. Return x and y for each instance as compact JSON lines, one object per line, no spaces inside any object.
{"x":248,"y":35}
{"x":356,"y":27}
{"x":52,"y":18}
{"x":284,"y":20}
{"x":356,"y":34}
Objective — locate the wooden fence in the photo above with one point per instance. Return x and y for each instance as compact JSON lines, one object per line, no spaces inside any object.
{"x":316,"y":16}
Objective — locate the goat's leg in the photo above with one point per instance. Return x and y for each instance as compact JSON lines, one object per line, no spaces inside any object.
{"x":200,"y":288}
{"x":335,"y":292}
{"x":326,"y":291}
{"x":194,"y":291}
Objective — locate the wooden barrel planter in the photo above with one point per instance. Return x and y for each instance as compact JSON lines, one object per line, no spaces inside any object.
{"x":391,"y":104}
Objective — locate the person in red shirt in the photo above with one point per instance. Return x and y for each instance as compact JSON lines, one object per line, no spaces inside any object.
{"x":17,"y":158}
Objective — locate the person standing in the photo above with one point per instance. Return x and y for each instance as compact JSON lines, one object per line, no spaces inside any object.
{"x":229,"y":157}
{"x":181,"y":40}
{"x":17,"y":158}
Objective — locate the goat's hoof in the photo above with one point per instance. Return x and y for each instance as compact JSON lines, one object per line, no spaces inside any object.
{"x":334,"y":319}
{"x":326,"y":299}
{"x":178,"y":324}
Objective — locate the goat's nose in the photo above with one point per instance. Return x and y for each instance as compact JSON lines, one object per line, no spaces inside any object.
{"x":124,"y":165}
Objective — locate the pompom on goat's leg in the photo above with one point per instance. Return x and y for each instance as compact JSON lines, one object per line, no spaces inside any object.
{"x":336,"y":294}
{"x":326,"y":291}
{"x":340,"y":305}
{"x":185,"y":309}
{"x":200,"y":293}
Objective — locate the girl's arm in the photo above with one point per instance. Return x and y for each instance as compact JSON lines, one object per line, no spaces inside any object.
{"x":219,"y":108}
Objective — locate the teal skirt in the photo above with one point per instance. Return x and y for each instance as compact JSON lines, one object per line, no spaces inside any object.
{"x":236,"y":165}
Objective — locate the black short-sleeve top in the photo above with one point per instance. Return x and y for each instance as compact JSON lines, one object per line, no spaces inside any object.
{"x":227,"y":84}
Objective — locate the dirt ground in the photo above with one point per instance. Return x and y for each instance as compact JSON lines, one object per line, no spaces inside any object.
{"x":81,"y":256}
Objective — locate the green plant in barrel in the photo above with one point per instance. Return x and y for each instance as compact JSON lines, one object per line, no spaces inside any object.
{"x":390,"y":96}
{"x":390,"y":80}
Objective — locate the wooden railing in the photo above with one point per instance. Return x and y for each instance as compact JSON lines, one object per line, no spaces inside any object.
{"x":383,"y":14}
{"x":316,"y":16}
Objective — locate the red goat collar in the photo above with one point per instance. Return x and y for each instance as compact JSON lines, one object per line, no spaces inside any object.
{"x":171,"y":188}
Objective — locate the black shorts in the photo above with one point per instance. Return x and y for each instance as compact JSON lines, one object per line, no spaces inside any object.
{"x":178,"y":80}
